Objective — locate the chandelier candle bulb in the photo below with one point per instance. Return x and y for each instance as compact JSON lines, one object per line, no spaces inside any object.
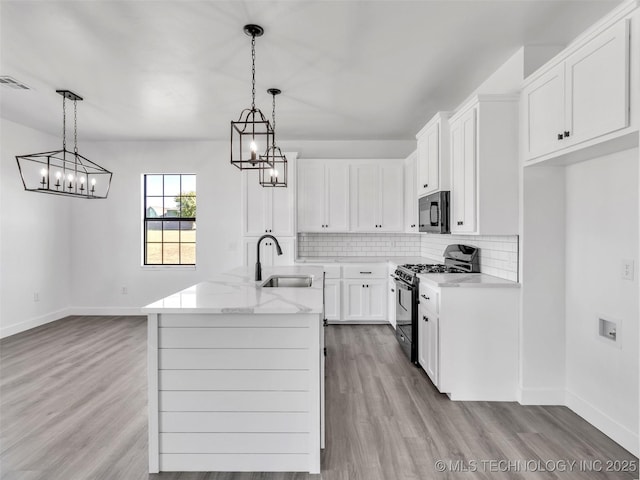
{"x":43,"y":172}
{"x":58,"y":176}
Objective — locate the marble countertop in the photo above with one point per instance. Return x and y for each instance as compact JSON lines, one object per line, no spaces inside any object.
{"x":394,"y":260}
{"x":466,"y":280}
{"x":237,"y":292}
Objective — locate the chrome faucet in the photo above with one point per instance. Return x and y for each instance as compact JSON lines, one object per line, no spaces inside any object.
{"x":258,"y":266}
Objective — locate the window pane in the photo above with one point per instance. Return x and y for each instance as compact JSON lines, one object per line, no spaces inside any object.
{"x":154,"y":254}
{"x":187,"y":231}
{"x":188,"y":184}
{"x":171,"y":232}
{"x":171,"y":208}
{"x":154,"y":232}
{"x":171,"y":185}
{"x":171,"y":252}
{"x":154,"y":185}
{"x":187,"y":204}
{"x":155,"y":207}
{"x":188,"y":253}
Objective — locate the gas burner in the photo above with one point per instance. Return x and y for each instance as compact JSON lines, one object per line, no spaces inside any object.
{"x":433,"y":268}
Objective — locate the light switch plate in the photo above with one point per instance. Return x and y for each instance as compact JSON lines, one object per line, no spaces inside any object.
{"x":627,"y":269}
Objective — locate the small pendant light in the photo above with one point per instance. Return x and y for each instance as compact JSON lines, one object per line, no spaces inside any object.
{"x":274,"y":173}
{"x":62,"y":172}
{"x":252,"y":132}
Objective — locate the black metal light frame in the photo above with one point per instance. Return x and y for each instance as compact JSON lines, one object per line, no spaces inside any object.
{"x":252,"y":126}
{"x":75,"y":175}
{"x":274,"y":173}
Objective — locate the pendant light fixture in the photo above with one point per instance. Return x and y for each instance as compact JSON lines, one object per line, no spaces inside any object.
{"x":64,"y":172}
{"x":274,"y":172}
{"x":252,"y":133}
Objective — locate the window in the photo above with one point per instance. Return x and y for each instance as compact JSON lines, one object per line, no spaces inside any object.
{"x":169,"y":219}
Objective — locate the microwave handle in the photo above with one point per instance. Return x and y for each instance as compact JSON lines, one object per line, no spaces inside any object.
{"x":434,"y":206}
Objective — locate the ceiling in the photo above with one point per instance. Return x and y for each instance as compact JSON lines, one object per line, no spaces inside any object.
{"x":349,"y":70}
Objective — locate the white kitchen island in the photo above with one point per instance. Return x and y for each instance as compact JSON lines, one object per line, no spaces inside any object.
{"x":235,"y":380}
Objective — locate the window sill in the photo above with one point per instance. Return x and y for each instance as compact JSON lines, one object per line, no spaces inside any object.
{"x":168,"y":267}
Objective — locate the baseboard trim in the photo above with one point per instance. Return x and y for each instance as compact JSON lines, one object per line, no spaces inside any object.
{"x":65,"y":312}
{"x":596,"y":417}
{"x":541,"y":396}
{"x":34,"y":322}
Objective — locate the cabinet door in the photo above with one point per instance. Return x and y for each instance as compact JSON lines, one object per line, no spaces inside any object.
{"x":376,"y":299}
{"x":364,"y":198}
{"x":433,"y":159}
{"x":391,"y":303}
{"x":311,"y":197}
{"x":332,"y":300}
{"x":423,"y":343}
{"x":390,"y":201}
{"x":428,"y":344}
{"x":463,"y":175}
{"x":249,"y":254}
{"x":423,"y":165}
{"x":337,"y":197}
{"x":257,"y":205}
{"x":281,"y":211}
{"x":353,"y":299}
{"x":543,"y":102}
{"x":288,"y":251}
{"x":410,"y":196}
{"x":597,"y":89}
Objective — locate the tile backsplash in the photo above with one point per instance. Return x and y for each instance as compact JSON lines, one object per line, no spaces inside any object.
{"x":359,"y":245}
{"x":498,"y":255}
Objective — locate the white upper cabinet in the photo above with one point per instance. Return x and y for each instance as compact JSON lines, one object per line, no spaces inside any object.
{"x":463,"y":173}
{"x":484,"y":166}
{"x":323,"y":196}
{"x":433,"y":155}
{"x":376,"y":196}
{"x":268,"y":209}
{"x":410,"y":194}
{"x":584,"y":95}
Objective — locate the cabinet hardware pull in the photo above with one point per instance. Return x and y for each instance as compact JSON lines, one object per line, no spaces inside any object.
{"x":460,"y":223}
{"x":560,"y":136}
{"x":566,"y":133}
{"x":425,"y":185}
{"x":392,"y":290}
{"x":413,"y":226}
{"x":425,"y":318}
{"x":363,"y":273}
{"x":425,"y":297}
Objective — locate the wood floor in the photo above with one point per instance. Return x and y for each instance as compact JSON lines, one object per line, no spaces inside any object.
{"x":73,"y":407}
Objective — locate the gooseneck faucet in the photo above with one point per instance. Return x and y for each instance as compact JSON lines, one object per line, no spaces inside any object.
{"x":258,"y":266}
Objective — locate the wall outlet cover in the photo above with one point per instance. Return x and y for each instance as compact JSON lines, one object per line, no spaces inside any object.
{"x":627,"y":269}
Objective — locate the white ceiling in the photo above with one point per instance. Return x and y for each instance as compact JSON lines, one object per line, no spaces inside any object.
{"x":348,"y":69}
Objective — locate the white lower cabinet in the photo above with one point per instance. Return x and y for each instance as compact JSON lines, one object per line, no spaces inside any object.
{"x":364,"y":300}
{"x":332,"y":301}
{"x":468,"y":341}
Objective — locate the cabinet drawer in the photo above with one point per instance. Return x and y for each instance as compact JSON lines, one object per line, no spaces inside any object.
{"x":429,"y":298}
{"x":370,"y":270}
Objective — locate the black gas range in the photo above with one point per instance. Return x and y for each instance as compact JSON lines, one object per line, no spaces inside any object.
{"x":457,"y":259}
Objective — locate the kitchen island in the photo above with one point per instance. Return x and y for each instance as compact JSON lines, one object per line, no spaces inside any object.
{"x":235,"y":375}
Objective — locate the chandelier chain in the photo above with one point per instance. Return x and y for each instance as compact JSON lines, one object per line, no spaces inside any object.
{"x":75,"y":126}
{"x":253,"y":72}
{"x":64,"y":122}
{"x":273,"y":116}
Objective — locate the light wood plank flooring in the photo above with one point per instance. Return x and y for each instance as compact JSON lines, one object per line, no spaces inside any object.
{"x":73,"y":407}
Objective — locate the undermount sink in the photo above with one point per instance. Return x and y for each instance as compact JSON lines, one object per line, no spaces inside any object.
{"x":289,"y":281}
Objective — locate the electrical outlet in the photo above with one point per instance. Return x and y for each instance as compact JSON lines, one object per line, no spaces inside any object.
{"x":627,"y":270}
{"x":124,"y":291}
{"x":36,"y":296}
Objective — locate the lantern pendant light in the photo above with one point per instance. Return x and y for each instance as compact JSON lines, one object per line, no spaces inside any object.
{"x":62,"y":172}
{"x":252,"y":132}
{"x":274,"y":172}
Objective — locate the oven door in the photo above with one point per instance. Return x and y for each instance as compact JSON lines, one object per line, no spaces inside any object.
{"x":404,"y":309}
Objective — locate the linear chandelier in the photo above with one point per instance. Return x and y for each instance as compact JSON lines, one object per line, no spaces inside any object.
{"x":64,"y":172}
{"x":252,"y":132}
{"x":274,"y":171}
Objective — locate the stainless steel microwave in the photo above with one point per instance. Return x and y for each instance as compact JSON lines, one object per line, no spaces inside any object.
{"x":433,"y":213}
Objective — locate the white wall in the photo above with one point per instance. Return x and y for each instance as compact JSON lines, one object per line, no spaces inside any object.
{"x":602,"y":229}
{"x":35,"y":232}
{"x":107,"y":240}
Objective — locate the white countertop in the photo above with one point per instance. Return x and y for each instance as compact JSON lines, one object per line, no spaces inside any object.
{"x":394,"y":260}
{"x":466,"y":280}
{"x":237,"y":292}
